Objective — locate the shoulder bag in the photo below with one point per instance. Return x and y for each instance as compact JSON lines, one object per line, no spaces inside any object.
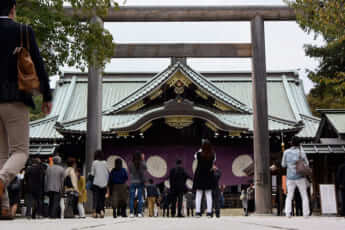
{"x":301,"y":167}
{"x":27,"y":76}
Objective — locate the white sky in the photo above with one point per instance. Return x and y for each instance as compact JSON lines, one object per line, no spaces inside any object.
{"x":284,"y":40}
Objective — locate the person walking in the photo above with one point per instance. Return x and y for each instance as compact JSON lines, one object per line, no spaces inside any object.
{"x":71,"y":190}
{"x":34,"y":186}
{"x":82,"y":194}
{"x":177,"y":178}
{"x":216,"y":193}
{"x":14,"y":192}
{"x":152,"y":197}
{"x":14,"y":104}
{"x":54,"y":186}
{"x":137,"y":170}
{"x":100,"y":174}
{"x":294,"y":179}
{"x":244,"y":200}
{"x":251,"y":199}
{"x":118,"y":189}
{"x":340,"y":182}
{"x":203,"y":177}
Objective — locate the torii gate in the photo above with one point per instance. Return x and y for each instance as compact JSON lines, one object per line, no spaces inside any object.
{"x":256,"y":50}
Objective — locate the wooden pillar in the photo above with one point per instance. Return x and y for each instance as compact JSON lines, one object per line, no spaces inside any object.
{"x":262,"y":175}
{"x":94,"y":116}
{"x":325,"y":169}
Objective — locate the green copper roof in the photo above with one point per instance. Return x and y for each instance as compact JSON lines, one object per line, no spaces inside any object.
{"x":311,"y":125}
{"x":44,"y":129}
{"x":121,"y":90}
{"x":165,"y":75}
{"x":338,"y":120}
{"x":324,"y":148}
{"x":120,"y":122}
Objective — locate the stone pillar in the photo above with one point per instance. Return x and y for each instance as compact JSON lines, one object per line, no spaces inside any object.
{"x":262,"y":175}
{"x":94,"y":116}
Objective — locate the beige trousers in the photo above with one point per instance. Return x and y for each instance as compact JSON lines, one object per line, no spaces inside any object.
{"x":14,"y":142}
{"x":151,"y":203}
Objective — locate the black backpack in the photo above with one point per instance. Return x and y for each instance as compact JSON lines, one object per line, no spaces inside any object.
{"x":68,"y":182}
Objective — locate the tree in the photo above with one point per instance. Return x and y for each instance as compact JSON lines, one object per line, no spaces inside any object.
{"x":36,"y":113}
{"x":68,"y":40}
{"x":325,"y":18}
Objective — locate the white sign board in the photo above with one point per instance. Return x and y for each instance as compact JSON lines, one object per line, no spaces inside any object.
{"x":328,"y":199}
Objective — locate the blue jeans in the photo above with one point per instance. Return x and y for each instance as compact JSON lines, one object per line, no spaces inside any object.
{"x":132,"y":189}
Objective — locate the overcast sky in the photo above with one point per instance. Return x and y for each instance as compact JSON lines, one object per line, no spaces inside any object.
{"x":284,"y":40}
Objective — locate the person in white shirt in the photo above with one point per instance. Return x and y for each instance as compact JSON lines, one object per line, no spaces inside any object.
{"x":100,"y":174}
{"x":294,"y":179}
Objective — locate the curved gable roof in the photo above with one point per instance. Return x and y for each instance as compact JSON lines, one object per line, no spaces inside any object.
{"x":134,"y":121}
{"x":156,"y":82}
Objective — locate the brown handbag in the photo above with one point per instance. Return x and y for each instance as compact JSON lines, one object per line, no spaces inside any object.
{"x":302,"y":168}
{"x":27,"y":76}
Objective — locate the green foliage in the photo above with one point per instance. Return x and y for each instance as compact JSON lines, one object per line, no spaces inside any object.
{"x":37,"y":113}
{"x":325,"y":18}
{"x":66,"y":40}
{"x":324,"y":98}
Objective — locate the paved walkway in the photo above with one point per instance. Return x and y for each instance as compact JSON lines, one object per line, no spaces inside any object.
{"x":228,"y":223}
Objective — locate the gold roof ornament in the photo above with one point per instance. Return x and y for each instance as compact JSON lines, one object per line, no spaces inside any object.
{"x":235,"y":133}
{"x":179,"y":88}
{"x":177,"y":79}
{"x":222,"y":106}
{"x":211,"y":126}
{"x":122,"y":134}
{"x":136,"y":106}
{"x":179,"y":122}
{"x":146,"y":127}
{"x":201,"y":94}
{"x":156,"y":94}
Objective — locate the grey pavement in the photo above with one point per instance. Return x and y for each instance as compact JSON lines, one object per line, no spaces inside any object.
{"x":233,"y":223}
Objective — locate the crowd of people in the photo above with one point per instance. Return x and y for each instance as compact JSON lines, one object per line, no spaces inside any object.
{"x":56,"y":191}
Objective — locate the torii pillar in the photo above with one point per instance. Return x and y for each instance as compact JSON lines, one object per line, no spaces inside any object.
{"x":262,"y":175}
{"x":94,"y":116}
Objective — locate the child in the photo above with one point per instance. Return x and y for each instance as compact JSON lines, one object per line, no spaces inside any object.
{"x":216,"y":191}
{"x":190,"y":203}
{"x":152,"y":196}
{"x":165,"y":202}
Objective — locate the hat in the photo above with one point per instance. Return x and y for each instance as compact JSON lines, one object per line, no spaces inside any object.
{"x":57,"y":160}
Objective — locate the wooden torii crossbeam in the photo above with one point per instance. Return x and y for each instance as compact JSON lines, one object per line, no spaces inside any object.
{"x":203,"y":50}
{"x":257,"y":15}
{"x":194,"y":13}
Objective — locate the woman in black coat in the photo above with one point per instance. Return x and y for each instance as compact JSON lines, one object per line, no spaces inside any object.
{"x":203,"y":177}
